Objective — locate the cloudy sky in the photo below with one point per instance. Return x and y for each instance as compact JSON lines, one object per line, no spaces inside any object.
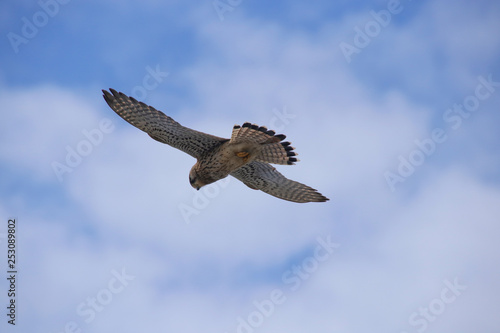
{"x":393,"y":107}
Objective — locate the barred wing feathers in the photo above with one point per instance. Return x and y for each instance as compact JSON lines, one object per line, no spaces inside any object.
{"x":159,"y":126}
{"x":262,"y":176}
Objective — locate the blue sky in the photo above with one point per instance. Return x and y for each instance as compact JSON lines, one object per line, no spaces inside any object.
{"x":401,"y":134}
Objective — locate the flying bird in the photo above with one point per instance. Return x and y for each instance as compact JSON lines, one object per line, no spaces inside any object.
{"x":245,"y":156}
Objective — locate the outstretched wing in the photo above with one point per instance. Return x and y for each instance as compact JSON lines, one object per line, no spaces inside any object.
{"x":160,"y":126}
{"x":264,"y":177}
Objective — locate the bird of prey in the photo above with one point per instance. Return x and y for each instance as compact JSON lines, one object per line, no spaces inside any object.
{"x":245,"y":156}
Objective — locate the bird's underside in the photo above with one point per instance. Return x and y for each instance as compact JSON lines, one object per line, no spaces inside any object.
{"x":245,"y":156}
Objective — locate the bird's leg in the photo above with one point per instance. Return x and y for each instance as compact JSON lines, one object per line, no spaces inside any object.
{"x":244,"y":155}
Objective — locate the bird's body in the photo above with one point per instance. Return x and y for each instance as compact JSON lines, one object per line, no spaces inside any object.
{"x":221,"y":161}
{"x":246,"y":155}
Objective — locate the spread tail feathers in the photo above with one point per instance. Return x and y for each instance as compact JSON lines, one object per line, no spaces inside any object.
{"x":272,"y":148}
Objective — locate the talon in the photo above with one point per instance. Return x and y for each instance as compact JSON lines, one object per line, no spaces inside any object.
{"x":242,"y":154}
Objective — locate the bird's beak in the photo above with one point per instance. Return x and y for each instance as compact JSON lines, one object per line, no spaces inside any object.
{"x":197,"y":188}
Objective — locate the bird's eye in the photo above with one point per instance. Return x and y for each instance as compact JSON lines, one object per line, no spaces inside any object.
{"x":191,"y":180}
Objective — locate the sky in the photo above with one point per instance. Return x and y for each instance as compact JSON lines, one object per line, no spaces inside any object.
{"x":393,"y":107}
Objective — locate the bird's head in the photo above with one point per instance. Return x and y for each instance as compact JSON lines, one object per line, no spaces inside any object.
{"x":195,"y":180}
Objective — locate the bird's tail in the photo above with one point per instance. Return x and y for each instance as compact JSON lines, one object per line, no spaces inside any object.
{"x":272,"y":147}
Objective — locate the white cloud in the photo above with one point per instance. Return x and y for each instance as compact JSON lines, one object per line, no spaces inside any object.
{"x":120,"y":205}
{"x":38,"y":125}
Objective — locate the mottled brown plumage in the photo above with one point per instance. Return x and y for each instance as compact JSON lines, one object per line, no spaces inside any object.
{"x":245,"y":156}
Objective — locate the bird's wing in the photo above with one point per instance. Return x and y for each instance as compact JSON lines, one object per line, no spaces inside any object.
{"x":262,"y":176}
{"x":159,"y":126}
